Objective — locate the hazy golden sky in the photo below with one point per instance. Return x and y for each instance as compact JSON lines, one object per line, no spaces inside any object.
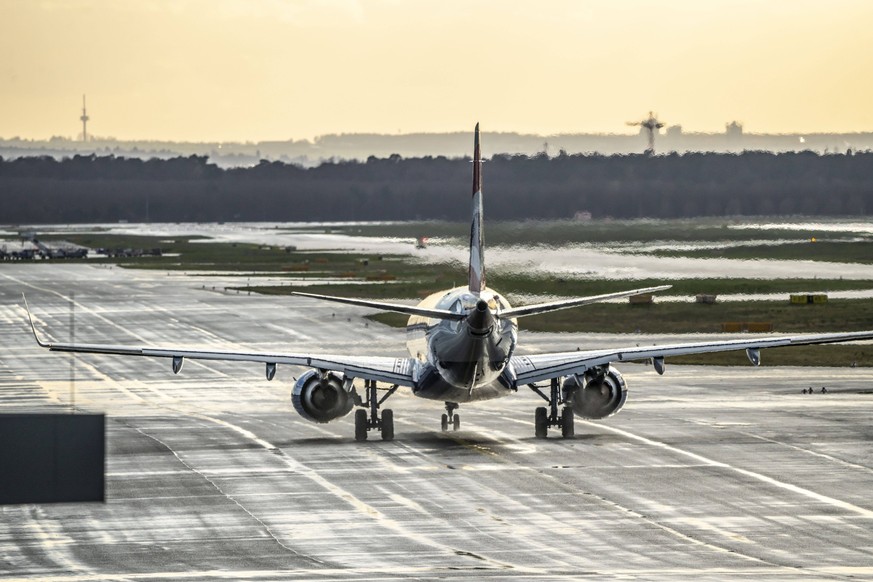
{"x":213,"y":70}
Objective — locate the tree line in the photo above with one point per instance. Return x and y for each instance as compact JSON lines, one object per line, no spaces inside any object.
{"x":85,"y":189}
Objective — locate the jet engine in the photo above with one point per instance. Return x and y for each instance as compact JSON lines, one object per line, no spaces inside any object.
{"x":320,"y":399}
{"x":602,"y":393}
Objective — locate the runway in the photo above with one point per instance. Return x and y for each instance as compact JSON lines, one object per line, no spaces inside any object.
{"x":710,"y":473}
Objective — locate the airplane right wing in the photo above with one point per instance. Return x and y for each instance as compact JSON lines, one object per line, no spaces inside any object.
{"x":535,"y":368}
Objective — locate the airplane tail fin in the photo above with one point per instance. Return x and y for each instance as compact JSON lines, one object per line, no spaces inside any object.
{"x":477,"y":249}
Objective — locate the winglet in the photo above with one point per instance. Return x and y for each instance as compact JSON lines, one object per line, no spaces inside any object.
{"x":477,"y":249}
{"x":41,"y":343}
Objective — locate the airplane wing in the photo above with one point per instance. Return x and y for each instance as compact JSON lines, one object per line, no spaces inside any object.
{"x":400,"y":371}
{"x":535,"y":368}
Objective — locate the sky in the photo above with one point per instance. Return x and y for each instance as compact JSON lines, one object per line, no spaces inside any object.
{"x":254,"y":70}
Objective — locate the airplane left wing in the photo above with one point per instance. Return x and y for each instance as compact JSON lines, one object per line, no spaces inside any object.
{"x":400,"y":371}
{"x":535,"y":368}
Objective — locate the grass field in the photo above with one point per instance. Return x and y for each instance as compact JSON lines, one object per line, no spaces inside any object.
{"x":562,"y":232}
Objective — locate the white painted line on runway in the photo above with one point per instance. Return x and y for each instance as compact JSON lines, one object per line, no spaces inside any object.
{"x":358,"y":504}
{"x":505,"y":437}
{"x":90,"y":310}
{"x":863,"y":512}
{"x":226,"y":495}
{"x":56,"y":545}
{"x":809,"y":452}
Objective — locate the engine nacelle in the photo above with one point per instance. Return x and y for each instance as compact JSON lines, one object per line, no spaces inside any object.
{"x":598,"y":397}
{"x":321,"y":400}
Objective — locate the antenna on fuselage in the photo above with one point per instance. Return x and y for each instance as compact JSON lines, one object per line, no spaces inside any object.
{"x":477,"y":249}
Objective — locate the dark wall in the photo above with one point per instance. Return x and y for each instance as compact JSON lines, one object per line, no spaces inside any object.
{"x":108,"y":189}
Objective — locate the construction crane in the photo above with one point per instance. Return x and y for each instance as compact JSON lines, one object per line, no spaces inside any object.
{"x":651,"y":125}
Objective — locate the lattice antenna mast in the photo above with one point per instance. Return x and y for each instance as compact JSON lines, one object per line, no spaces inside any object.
{"x":84,"y":119}
{"x":651,"y":125}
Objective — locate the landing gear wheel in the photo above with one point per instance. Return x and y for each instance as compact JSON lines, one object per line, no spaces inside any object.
{"x":541,"y":422}
{"x":450,"y":417}
{"x":387,"y":425}
{"x":372,"y":421}
{"x":567,"y":428}
{"x":360,"y":424}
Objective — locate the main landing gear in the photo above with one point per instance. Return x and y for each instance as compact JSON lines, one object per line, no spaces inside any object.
{"x":450,"y":417}
{"x":364,"y":423}
{"x":545,"y":418}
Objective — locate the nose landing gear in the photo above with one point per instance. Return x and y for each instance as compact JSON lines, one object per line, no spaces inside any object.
{"x":450,"y":417}
{"x":365,"y":422}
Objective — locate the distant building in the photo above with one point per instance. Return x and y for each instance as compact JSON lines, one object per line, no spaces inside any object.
{"x":734,"y":136}
{"x":734,"y":130}
{"x":673,"y":139}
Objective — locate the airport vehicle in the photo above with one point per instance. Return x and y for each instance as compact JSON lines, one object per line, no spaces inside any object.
{"x":462,"y":344}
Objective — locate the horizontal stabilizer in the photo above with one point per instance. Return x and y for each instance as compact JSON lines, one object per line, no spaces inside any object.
{"x":396,"y":307}
{"x":526,"y":310}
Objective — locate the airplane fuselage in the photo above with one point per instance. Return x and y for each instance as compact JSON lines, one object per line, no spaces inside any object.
{"x":463,"y":360}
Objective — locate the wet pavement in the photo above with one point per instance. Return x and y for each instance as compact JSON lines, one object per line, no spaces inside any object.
{"x":710,"y":473}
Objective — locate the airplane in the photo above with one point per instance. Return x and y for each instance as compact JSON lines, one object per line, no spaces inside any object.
{"x":462,"y":344}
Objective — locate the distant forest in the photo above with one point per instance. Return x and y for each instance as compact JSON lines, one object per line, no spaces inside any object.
{"x":108,"y":189}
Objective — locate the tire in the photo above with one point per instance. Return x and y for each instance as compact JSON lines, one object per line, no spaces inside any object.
{"x":387,"y":425}
{"x":456,"y":422}
{"x":541,"y":423}
{"x":567,"y":418}
{"x":360,"y":424}
{"x":444,"y":423}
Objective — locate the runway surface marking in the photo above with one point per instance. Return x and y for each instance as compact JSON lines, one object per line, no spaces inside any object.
{"x":860,"y":511}
{"x":504,"y":437}
{"x":226,"y":495}
{"x":105,"y":319}
{"x":809,"y":452}
{"x":361,"y":506}
{"x":52,"y":540}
